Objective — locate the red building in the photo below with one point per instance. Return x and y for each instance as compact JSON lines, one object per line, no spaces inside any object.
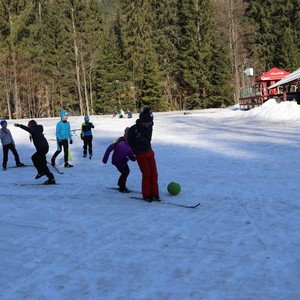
{"x":257,"y":93}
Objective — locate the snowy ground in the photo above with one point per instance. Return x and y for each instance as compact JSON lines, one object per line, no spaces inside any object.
{"x":81,"y":240}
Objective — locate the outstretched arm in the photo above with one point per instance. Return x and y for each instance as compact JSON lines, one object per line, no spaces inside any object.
{"x":23,"y":127}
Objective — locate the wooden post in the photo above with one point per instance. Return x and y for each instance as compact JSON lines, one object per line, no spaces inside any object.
{"x":284,"y":94}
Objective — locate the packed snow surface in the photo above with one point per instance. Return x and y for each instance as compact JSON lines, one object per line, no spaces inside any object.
{"x":80,"y":239}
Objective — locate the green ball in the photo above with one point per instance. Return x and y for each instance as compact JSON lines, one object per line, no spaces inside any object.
{"x":174,"y":188}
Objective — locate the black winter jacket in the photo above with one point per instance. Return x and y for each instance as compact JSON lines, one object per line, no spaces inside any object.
{"x":37,"y":135}
{"x":139,"y":138}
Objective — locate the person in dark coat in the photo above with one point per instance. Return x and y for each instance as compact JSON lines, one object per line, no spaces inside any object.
{"x":87,"y":136}
{"x":139,"y":139}
{"x":121,"y":154}
{"x":129,"y":113}
{"x":42,"y":147}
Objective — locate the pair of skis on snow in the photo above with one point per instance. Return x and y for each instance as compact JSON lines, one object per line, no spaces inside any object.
{"x":161,"y":202}
{"x":45,"y":183}
{"x":54,"y":167}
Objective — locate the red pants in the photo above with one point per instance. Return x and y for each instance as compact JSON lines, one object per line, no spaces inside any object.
{"x":147,"y":164}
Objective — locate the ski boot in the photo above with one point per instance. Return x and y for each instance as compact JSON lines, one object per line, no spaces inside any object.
{"x":39,"y":175}
{"x":156,"y":198}
{"x":124,"y":190}
{"x":67,"y":165}
{"x":50,"y":181}
{"x":148,"y":198}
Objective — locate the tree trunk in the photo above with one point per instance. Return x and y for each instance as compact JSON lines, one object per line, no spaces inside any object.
{"x":7,"y":92}
{"x":15,"y":76}
{"x":91,"y":92}
{"x":85,"y":87}
{"x":234,"y":50}
{"x":47,"y":101}
{"x":77,"y":64}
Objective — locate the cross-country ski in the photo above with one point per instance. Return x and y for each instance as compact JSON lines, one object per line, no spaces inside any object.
{"x":168,"y":203}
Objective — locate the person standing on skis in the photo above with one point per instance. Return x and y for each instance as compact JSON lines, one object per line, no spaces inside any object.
{"x":63,"y":136}
{"x":139,"y":139}
{"x":87,"y":136}
{"x":8,"y":144}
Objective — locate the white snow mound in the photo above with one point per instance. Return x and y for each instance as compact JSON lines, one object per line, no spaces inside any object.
{"x":273,"y":111}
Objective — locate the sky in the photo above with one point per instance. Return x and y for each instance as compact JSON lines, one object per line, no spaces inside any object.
{"x":80,"y":239}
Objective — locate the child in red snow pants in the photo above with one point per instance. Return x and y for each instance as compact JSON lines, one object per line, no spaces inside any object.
{"x":147,"y":165}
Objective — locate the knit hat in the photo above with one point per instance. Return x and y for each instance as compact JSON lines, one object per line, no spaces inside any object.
{"x":63,"y":113}
{"x":146,"y":115}
{"x":86,"y":118}
{"x":3,"y":122}
{"x":32,"y":123}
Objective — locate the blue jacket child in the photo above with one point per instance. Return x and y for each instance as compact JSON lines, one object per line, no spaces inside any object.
{"x":63,"y":136}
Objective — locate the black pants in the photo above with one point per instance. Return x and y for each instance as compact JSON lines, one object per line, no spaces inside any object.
{"x":63,"y":144}
{"x":13,"y":149}
{"x":87,"y":144}
{"x":40,"y":162}
{"x":124,"y":174}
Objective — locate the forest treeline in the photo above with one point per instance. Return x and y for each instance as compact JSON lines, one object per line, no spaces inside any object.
{"x":96,"y":57}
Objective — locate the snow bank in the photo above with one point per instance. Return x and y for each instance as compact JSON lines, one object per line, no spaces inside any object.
{"x":273,"y":111}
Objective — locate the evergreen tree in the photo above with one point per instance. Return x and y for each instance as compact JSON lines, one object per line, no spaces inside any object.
{"x":286,"y":52}
{"x":275,"y":42}
{"x":151,"y":91}
{"x":166,"y":43}
{"x":137,"y":24}
{"x":57,"y":57}
{"x":166,"y":54}
{"x":111,"y":78}
{"x":5,"y":66}
{"x":295,"y":20}
{"x":92,"y":36}
{"x":193,"y":52}
{"x":18,"y":16}
{"x":81,"y":29}
{"x":221,"y":94}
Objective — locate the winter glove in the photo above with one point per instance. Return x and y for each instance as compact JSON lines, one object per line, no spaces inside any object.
{"x":17,"y":125}
{"x":81,"y":136}
{"x":71,"y":142}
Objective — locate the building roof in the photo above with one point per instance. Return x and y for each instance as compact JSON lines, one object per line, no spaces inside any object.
{"x":288,"y":79}
{"x":273,"y":74}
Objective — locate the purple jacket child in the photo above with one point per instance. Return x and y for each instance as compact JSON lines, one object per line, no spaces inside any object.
{"x":121,"y":154}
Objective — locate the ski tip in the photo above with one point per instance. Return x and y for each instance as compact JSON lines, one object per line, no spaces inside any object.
{"x":113,"y":188}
